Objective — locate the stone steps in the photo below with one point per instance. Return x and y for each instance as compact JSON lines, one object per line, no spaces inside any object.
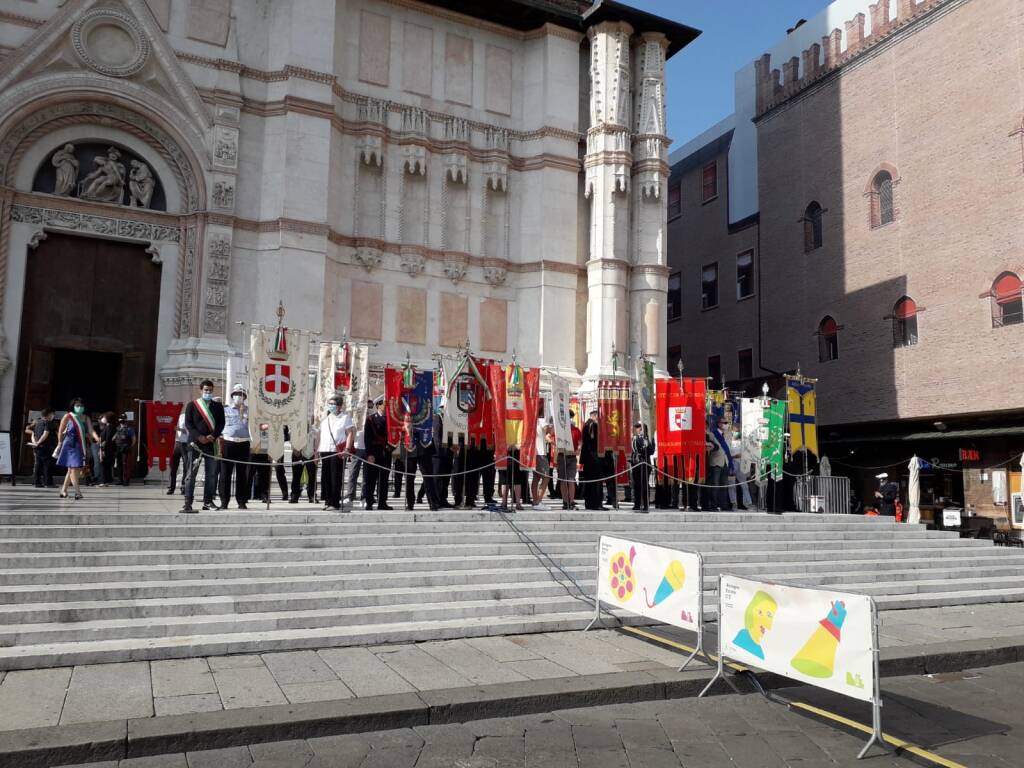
{"x":127,"y":578}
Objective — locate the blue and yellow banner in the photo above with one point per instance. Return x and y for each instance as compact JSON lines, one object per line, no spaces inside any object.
{"x":803,"y":426}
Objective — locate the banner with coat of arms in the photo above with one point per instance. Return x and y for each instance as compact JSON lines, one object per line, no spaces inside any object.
{"x":560,"y":398}
{"x":645,"y":397}
{"x":279,"y":386}
{"x":411,"y":395}
{"x":358,"y":391}
{"x":161,"y":425}
{"x":803,"y":429}
{"x":467,"y":408}
{"x":681,"y":424}
{"x":614,"y":416}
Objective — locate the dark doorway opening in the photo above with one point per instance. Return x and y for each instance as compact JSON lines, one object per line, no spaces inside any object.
{"x":93,"y":376}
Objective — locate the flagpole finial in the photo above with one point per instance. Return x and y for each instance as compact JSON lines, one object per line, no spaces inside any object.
{"x":280,"y":312}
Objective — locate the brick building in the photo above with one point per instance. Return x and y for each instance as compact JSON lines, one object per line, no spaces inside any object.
{"x":882,"y":148}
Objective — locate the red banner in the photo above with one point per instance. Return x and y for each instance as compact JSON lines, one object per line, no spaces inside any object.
{"x":531,"y":411}
{"x":481,"y":418}
{"x":496,"y":381}
{"x":681,"y":425}
{"x":614,"y":416}
{"x":161,"y":422}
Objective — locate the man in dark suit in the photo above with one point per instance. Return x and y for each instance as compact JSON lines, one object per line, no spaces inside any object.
{"x":378,"y":457}
{"x":593,"y":465}
{"x":204,"y":421}
{"x":442,"y":464}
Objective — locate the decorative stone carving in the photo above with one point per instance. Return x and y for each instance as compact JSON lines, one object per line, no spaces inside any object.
{"x":456,"y":129}
{"x":218,"y":271}
{"x":495,"y":275}
{"x":188,"y":278}
{"x":495,"y":168}
{"x":225,"y":146}
{"x":456,"y":167}
{"x":106,"y":183}
{"x":373,"y":113}
{"x":154,"y":254}
{"x":609,"y":73}
{"x":649,"y":148}
{"x":415,"y":129}
{"x":140,"y":185}
{"x":414,"y":159}
{"x":215,"y":320}
{"x":456,"y":160}
{"x":110,"y":42}
{"x":413,"y":262}
{"x":105,"y":225}
{"x":454,"y":268}
{"x":224,"y":195}
{"x":220,"y":247}
{"x":66,"y":163}
{"x":368,"y":257}
{"x":415,"y":121}
{"x":371,"y":149}
{"x":37,"y":237}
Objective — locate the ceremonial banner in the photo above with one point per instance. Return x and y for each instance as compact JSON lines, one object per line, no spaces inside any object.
{"x":803,"y":430}
{"x":161,"y":422}
{"x":754,"y":431}
{"x":531,"y":412}
{"x":499,"y":405}
{"x":358,"y":391}
{"x":467,"y":407}
{"x":773,"y":444}
{"x":279,"y":386}
{"x":560,"y":399}
{"x":681,"y":424}
{"x":331,"y":381}
{"x":820,"y":637}
{"x":416,"y":398}
{"x":614,"y":416}
{"x":645,"y":397}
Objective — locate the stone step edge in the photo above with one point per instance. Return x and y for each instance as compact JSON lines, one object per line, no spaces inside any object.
{"x":142,"y":737}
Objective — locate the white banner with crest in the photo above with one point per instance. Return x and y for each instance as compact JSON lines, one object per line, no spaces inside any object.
{"x":279,"y":387}
{"x":560,"y":414}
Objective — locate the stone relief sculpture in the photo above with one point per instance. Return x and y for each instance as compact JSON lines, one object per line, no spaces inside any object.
{"x":66,"y":163}
{"x":140,"y":185}
{"x":106,"y":183}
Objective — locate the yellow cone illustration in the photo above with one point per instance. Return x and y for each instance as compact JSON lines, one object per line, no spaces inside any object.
{"x":818,"y":656}
{"x":673,"y":579}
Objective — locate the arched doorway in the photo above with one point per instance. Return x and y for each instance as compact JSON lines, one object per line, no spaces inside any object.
{"x":89,"y":325}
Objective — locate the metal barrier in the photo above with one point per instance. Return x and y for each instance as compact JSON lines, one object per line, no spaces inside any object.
{"x":828,"y":494}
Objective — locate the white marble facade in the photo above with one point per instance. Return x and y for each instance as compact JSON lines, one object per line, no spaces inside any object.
{"x":389,"y":169}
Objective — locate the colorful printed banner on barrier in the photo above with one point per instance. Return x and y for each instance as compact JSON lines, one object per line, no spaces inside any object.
{"x":659,"y":583}
{"x":816,"y":636}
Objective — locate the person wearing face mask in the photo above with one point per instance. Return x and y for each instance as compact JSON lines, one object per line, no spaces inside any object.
{"x":236,"y":449}
{"x":74,"y":432}
{"x":124,"y":442}
{"x":204,"y":420}
{"x":103,"y":451}
{"x":378,"y":458}
{"x":336,"y":437}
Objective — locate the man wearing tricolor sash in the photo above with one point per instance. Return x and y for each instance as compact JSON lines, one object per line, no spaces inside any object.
{"x":204,"y":421}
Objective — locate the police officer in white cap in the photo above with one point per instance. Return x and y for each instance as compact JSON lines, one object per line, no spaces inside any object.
{"x":236,"y":449}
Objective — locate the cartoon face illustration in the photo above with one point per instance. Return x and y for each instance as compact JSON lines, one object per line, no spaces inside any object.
{"x":760,"y":616}
{"x":757,"y":621}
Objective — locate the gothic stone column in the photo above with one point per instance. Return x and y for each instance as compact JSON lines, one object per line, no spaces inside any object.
{"x":607,"y":164}
{"x":648,"y":283}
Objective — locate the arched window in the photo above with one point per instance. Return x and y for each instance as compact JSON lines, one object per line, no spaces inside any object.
{"x":1007,"y":306}
{"x":904,"y":323}
{"x":812,"y":227}
{"x":882,"y":211}
{"x":828,"y":340}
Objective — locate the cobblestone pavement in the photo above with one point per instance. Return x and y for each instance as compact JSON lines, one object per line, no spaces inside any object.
{"x":967,"y":718}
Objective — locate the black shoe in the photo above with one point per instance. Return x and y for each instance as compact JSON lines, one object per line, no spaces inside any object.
{"x":241,"y":505}
{"x":408,"y":508}
{"x":385,"y":508}
{"x":293,"y":501}
{"x":207,"y":507}
{"x":170,"y":491}
{"x":368,"y":506}
{"x":187,"y":510}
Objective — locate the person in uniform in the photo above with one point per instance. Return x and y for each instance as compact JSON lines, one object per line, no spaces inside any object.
{"x":640,"y":459}
{"x":358,"y":465}
{"x":417,"y":455}
{"x":378,"y":458}
{"x":592,"y":463}
{"x":204,"y":420}
{"x":304,"y":467}
{"x":42,"y":439}
{"x":236,"y":449}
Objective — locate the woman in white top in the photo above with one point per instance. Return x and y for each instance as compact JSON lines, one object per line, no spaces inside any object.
{"x":335,"y":443}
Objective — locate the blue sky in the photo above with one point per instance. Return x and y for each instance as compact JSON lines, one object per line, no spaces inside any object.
{"x":734,"y":32}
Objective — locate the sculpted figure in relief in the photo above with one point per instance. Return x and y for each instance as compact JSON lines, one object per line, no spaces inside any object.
{"x":140,"y":185}
{"x":106,"y":183}
{"x":66,"y":163}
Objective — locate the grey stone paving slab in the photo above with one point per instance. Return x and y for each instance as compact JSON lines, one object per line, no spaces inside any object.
{"x":702,"y":754}
{"x":248,"y":687}
{"x":500,"y":751}
{"x":539,"y":669}
{"x":476,"y":666}
{"x":155,"y":761}
{"x":642,"y":757}
{"x":217,"y":663}
{"x":420,"y":669}
{"x":642,"y":734}
{"x":639,"y":647}
{"x":33,"y":698}
{"x":750,"y":750}
{"x":344,"y":751}
{"x":445,"y":745}
{"x":229,"y":757}
{"x":502,"y":649}
{"x":364,"y":673}
{"x":298,"y":693}
{"x":298,"y":667}
{"x":548,"y":745}
{"x":391,"y":757}
{"x":594,"y":645}
{"x":108,"y":692}
{"x":180,"y":705}
{"x":294,"y":752}
{"x":181,"y":677}
{"x":564,"y":654}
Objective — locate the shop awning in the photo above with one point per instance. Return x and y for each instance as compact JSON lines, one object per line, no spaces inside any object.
{"x":949,"y":434}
